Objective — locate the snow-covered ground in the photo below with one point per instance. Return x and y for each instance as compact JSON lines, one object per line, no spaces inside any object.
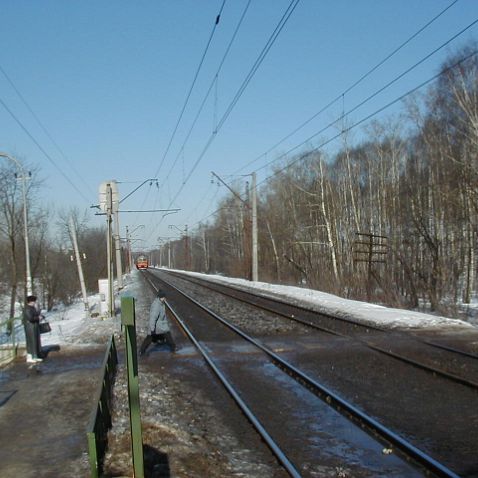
{"x":70,"y":326}
{"x":344,"y":308}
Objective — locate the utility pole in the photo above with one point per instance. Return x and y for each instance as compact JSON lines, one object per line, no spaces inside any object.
{"x":119,"y":268}
{"x":255,"y":274}
{"x":187,"y":251}
{"x":128,"y":245}
{"x":78,"y":263}
{"x":108,"y":194}
{"x":253,"y":212}
{"x":109,"y":247}
{"x":371,"y":249}
{"x":28,"y":278}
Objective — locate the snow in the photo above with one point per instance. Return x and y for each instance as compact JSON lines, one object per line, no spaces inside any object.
{"x":348,"y":309}
{"x":67,"y":322}
{"x":70,"y":326}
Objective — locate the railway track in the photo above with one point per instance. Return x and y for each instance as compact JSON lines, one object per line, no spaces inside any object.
{"x":304,"y":427}
{"x":441,"y":360}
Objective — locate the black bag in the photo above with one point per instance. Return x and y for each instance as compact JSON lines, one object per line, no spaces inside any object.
{"x":44,"y":327}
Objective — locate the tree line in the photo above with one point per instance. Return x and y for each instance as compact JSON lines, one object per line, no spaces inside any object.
{"x":53,"y":271}
{"x":392,"y":217}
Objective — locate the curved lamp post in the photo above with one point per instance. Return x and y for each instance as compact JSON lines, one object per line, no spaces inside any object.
{"x":25,"y":221}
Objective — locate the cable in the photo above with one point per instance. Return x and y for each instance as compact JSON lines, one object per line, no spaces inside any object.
{"x":208,"y":91}
{"x":350,"y":88}
{"x":198,"y":205}
{"x":191,"y":87}
{"x":73,"y":185}
{"x":285,"y":17}
{"x":239,"y":93}
{"x":358,"y":123}
{"x":290,"y":9}
{"x":364,"y":101}
{"x":371,"y":115}
{"x":380,"y":90}
{"x":44,"y":128}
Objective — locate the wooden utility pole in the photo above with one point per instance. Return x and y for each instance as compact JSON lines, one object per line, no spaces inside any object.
{"x":250,"y":249}
{"x":371,"y":249}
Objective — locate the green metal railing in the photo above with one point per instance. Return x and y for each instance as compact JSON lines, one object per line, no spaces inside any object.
{"x":128,"y":320}
{"x":9,"y":344}
{"x":100,"y":420}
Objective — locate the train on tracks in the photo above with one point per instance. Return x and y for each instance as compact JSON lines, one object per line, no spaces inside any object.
{"x":142,"y":262}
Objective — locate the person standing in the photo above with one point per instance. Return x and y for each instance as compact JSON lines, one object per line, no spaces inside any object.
{"x":31,"y":320}
{"x":159,"y":327}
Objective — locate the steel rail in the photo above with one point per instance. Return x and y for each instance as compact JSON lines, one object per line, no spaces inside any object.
{"x":280,"y":455}
{"x":277,"y":300}
{"x":334,"y":400}
{"x":428,"y":368}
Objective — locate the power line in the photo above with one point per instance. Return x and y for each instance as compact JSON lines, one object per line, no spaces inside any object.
{"x":371,"y":115}
{"x":373,"y":95}
{"x":350,"y":88}
{"x":293,"y":4}
{"x":42,"y":126}
{"x":285,"y":17}
{"x":198,"y":69}
{"x":273,"y":37}
{"x":213,"y":82}
{"x":73,"y":185}
{"x":358,"y":123}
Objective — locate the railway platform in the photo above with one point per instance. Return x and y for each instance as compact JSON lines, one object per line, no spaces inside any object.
{"x":43,"y":413}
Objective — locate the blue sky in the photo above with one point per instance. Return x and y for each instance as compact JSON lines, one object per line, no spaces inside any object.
{"x":108,"y":80}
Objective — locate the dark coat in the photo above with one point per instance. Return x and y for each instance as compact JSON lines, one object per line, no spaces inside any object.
{"x":31,"y":314}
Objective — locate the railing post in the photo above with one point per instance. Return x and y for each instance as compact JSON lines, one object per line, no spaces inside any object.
{"x":128,"y":321}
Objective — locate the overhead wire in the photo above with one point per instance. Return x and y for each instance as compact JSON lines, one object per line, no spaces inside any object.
{"x":421,"y":85}
{"x":271,"y":40}
{"x":353,"y":126}
{"x":198,"y":69}
{"x":368,"y":117}
{"x":38,"y":145}
{"x":199,"y":203}
{"x":211,"y":86}
{"x":350,"y":88}
{"x":307,"y":154}
{"x":373,"y":95}
{"x":273,"y":37}
{"x":44,"y":129}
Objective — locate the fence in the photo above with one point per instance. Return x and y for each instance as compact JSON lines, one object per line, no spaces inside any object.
{"x":11,"y":331}
{"x":100,"y":420}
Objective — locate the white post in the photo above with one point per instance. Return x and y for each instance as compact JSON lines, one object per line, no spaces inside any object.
{"x":128,"y":242}
{"x":78,"y":263}
{"x":255,"y":272}
{"x":109,"y":207}
{"x":119,"y":268}
{"x":27,"y":247}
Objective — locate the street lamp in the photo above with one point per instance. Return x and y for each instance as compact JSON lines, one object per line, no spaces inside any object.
{"x":25,"y":221}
